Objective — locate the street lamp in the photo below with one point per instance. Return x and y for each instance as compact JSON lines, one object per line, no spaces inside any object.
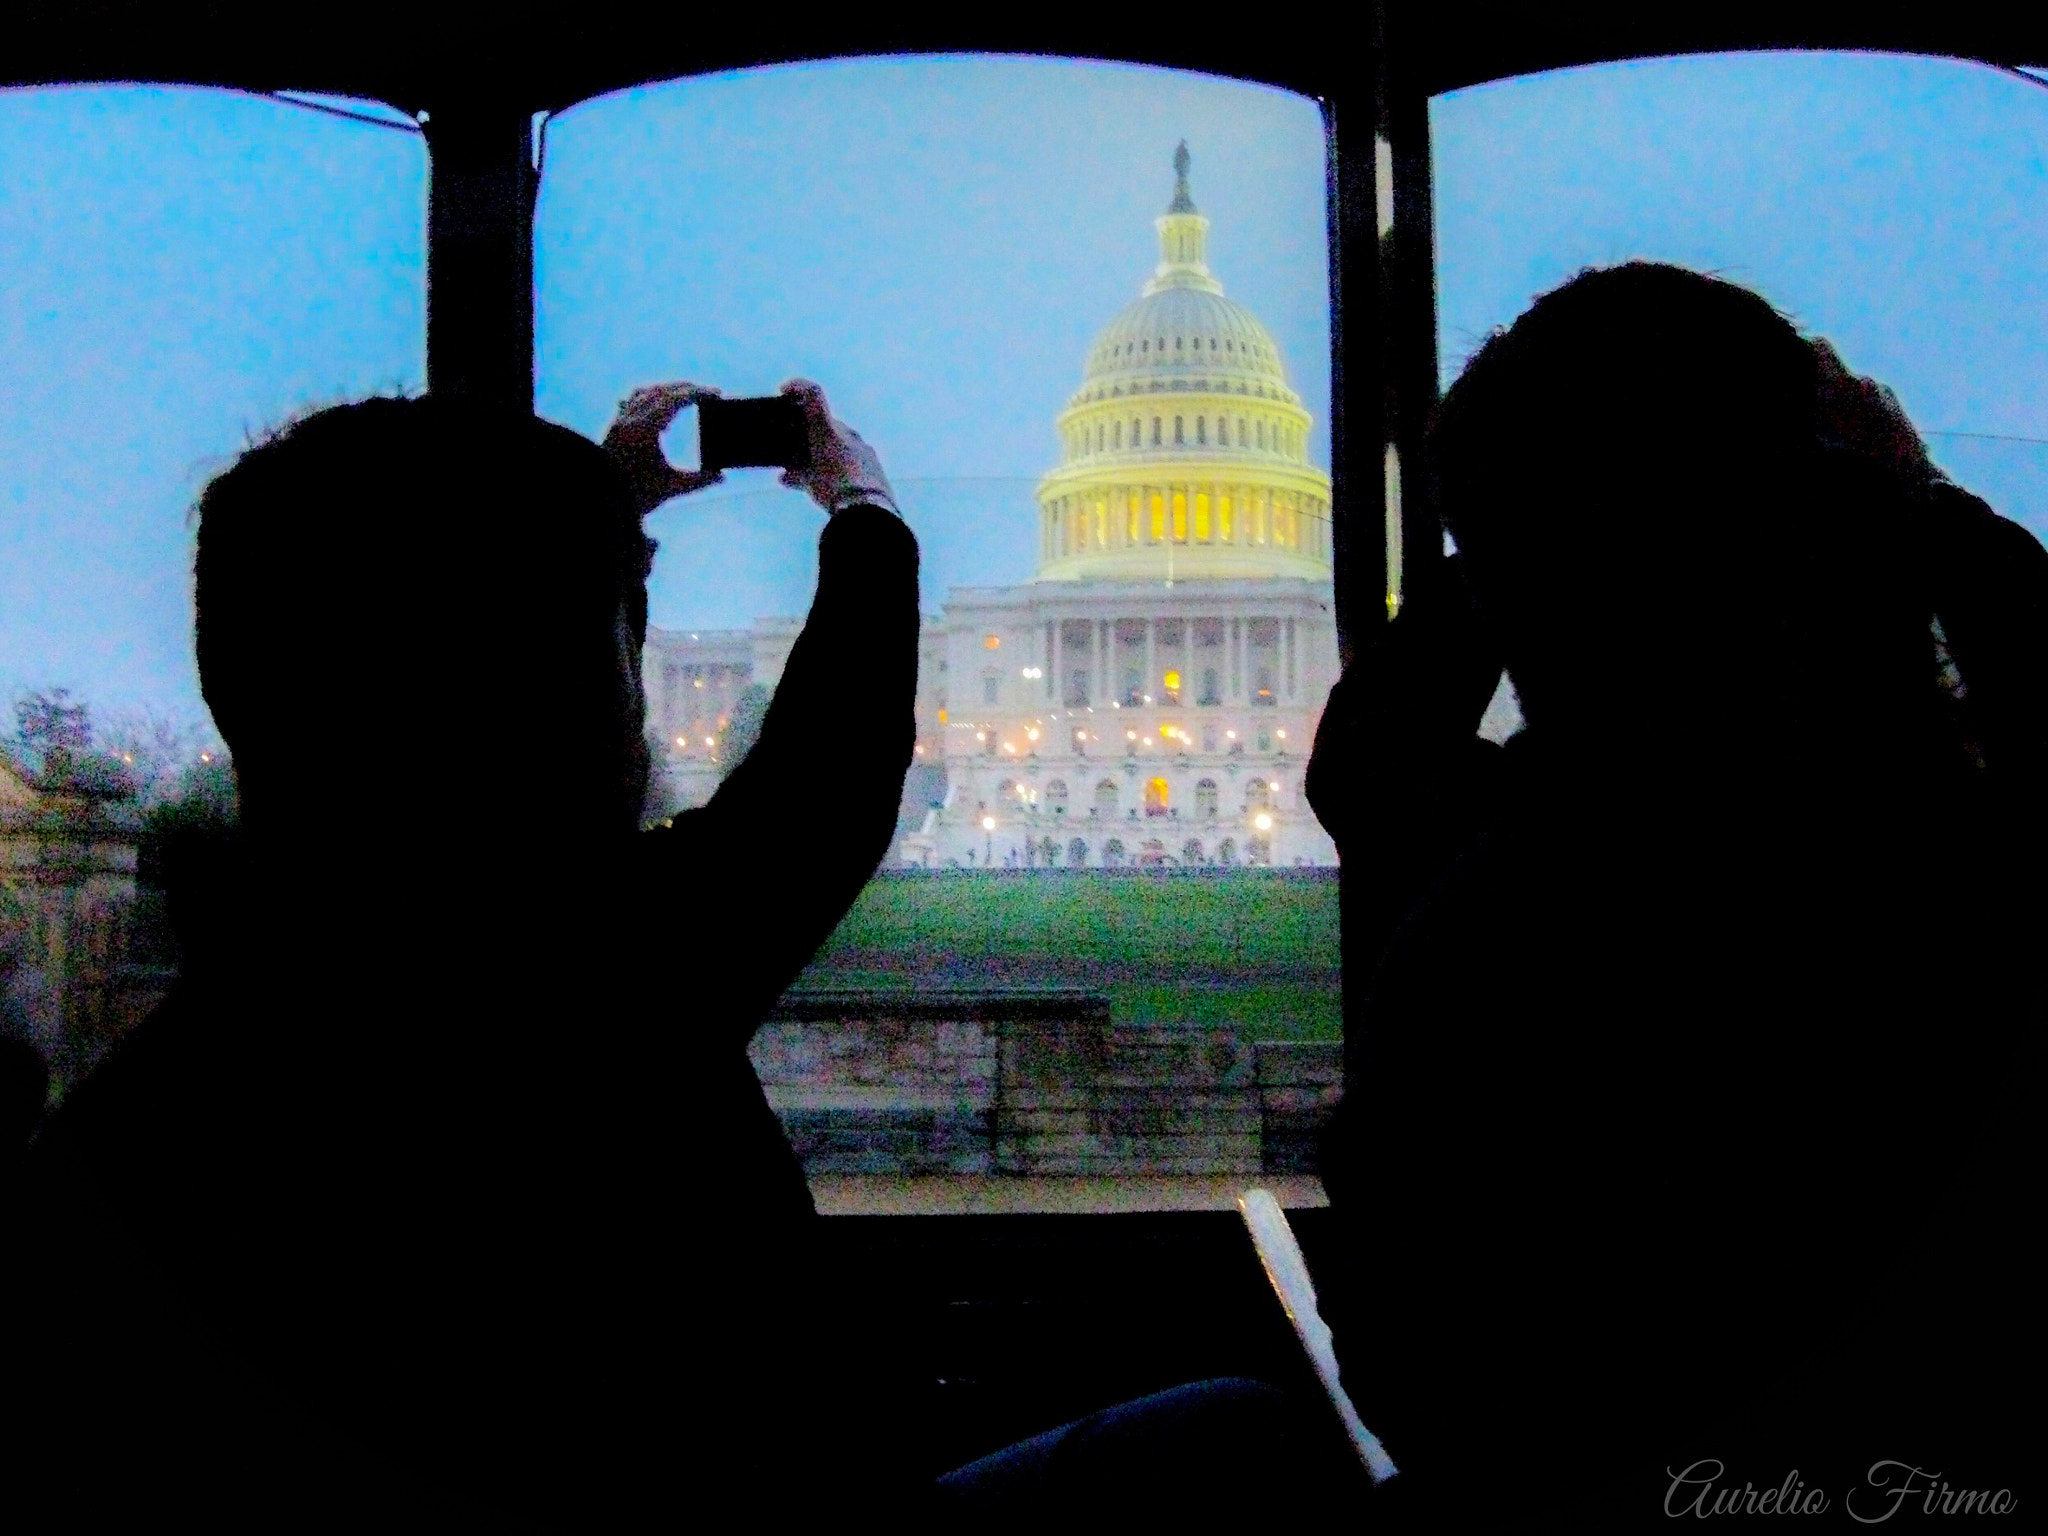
{"x":988,"y":847}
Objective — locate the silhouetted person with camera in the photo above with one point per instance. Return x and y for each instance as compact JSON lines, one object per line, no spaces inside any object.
{"x":1693,"y":998}
{"x":446,"y":1149}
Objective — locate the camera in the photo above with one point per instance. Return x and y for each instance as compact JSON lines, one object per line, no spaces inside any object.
{"x":764,"y":433}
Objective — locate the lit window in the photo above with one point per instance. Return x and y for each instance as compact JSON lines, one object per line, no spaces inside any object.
{"x":991,"y":642}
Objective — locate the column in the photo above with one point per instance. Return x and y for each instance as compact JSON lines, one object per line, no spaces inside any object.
{"x":1103,"y":634}
{"x":1290,"y":663}
{"x":1151,"y":630}
{"x":1239,"y":683}
{"x":1055,"y":690}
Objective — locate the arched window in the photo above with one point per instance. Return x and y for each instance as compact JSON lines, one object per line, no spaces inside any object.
{"x":1262,"y":434}
{"x":1049,"y":851}
{"x":1205,"y":800}
{"x":1202,"y":430}
{"x":991,"y":686}
{"x":1105,"y":797}
{"x":1098,"y":437}
{"x":1257,"y":796}
{"x":1176,"y":343}
{"x":1223,"y":431}
{"x":1259,"y":850}
{"x":1226,"y":852}
{"x":1077,"y":854}
{"x":1137,"y":432}
{"x":1242,"y":440}
{"x":1155,"y":797}
{"x":1113,"y":853}
{"x":1180,"y":435}
{"x":1155,"y":431}
{"x":1191,"y":851}
{"x":1056,"y":797}
{"x":1144,"y":346}
{"x":1211,"y":694}
{"x":1118,"y":441}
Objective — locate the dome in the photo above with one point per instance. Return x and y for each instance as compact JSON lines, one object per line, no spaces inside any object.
{"x":1182,"y":333}
{"x":1183,"y":337}
{"x":1185,"y":454}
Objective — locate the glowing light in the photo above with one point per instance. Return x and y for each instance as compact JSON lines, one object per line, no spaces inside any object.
{"x":1273,"y":785}
{"x":206,"y":757}
{"x":1281,"y":734}
{"x":1009,"y":746}
{"x":1148,"y":741}
{"x":682,"y":741}
{"x":942,"y":717}
{"x":920,"y":749}
{"x":991,"y":642}
{"x":698,"y":684}
{"x":1032,"y":733}
{"x":1231,"y":735}
{"x":710,"y":741}
{"x":1263,"y":822}
{"x":1130,"y":735}
{"x":988,"y":823}
{"x":1172,"y":681}
{"x":981,"y":735}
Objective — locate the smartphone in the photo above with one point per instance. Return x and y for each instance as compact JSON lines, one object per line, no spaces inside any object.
{"x":770,"y":432}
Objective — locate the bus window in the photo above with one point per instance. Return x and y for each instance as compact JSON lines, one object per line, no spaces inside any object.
{"x":181,"y":271}
{"x":999,"y":298}
{"x":1896,"y":205}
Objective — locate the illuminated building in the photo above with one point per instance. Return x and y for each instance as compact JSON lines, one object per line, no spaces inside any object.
{"x":1152,"y":695}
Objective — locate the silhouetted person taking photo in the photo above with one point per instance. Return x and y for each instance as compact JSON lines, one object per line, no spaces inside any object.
{"x":446,"y":1149}
{"x":1692,"y":999}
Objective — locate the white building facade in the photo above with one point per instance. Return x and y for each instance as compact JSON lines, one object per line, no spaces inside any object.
{"x":1151,"y":697}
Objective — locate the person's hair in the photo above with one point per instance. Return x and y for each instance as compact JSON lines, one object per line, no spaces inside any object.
{"x":1616,"y":398}
{"x":349,"y":562}
{"x":1645,"y":496}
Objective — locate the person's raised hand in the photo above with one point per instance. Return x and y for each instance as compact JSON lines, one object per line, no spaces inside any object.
{"x":844,"y":470}
{"x":634,"y":442}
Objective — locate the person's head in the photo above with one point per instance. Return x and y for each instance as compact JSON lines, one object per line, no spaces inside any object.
{"x":1635,"y":475}
{"x":419,"y":614}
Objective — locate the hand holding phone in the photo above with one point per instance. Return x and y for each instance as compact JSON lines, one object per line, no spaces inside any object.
{"x":634,"y":442}
{"x":843,"y":471}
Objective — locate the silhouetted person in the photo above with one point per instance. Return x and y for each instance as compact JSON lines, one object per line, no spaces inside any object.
{"x":447,"y":1144}
{"x":1692,"y":998}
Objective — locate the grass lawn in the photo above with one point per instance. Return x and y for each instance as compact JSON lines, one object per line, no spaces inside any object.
{"x":1256,"y":949}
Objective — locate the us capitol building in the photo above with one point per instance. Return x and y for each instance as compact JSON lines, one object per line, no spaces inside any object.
{"x":1150,"y":698}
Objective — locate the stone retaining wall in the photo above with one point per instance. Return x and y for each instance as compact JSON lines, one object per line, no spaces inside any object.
{"x":1035,"y":1083}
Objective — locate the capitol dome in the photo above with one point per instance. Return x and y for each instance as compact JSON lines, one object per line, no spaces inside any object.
{"x":1185,"y":451}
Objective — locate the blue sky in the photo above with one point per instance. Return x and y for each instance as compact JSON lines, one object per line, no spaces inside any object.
{"x":936,"y":241}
